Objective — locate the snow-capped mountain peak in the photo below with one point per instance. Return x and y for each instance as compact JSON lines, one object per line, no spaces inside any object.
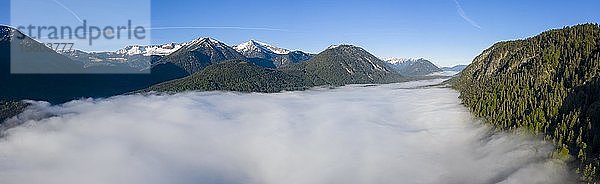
{"x":206,"y":43}
{"x":257,"y":46}
{"x":413,"y":67}
{"x":160,"y":50}
{"x":273,"y":49}
{"x":405,"y":60}
{"x":205,"y":40}
{"x":345,"y":46}
{"x":333,"y":47}
{"x":397,"y":60}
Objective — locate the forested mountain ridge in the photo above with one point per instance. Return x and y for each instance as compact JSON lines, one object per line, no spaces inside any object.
{"x":345,"y":64}
{"x":234,"y":75}
{"x":336,"y":66}
{"x":548,"y":84}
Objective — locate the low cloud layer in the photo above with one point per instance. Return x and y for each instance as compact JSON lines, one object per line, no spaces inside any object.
{"x":382,"y":134}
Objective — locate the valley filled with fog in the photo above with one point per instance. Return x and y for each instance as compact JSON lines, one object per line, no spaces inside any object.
{"x":395,"y":133}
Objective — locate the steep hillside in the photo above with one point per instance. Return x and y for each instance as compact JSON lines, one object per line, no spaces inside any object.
{"x":31,"y":57}
{"x":547,"y":84}
{"x":59,"y":88}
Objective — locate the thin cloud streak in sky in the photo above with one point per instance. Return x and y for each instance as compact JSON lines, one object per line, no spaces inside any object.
{"x":69,"y":10}
{"x":462,"y":14}
{"x":217,"y":27}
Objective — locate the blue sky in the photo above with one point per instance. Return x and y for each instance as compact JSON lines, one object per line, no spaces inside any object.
{"x":434,"y":29}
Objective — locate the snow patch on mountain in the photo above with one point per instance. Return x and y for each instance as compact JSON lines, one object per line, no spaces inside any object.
{"x":398,"y":60}
{"x":377,"y":67}
{"x":333,"y":47}
{"x":5,"y":33}
{"x":257,"y":46}
{"x":205,"y":40}
{"x":160,"y":50}
{"x":412,"y":66}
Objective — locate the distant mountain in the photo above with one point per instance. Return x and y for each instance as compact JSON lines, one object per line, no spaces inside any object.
{"x":549,"y":85}
{"x":278,"y":56}
{"x":234,"y":75}
{"x":457,"y":68}
{"x":137,"y":57}
{"x":108,"y":59}
{"x":200,"y":53}
{"x":345,"y":64}
{"x":256,"y":49}
{"x":293,"y":57}
{"x":413,"y":67}
{"x":151,"y":50}
{"x":203,"y":57}
{"x":142,"y":57}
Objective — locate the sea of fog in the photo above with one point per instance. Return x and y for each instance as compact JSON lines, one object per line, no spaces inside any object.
{"x":397,"y":133}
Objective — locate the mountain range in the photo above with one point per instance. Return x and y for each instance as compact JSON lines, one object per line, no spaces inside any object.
{"x":547,"y":84}
{"x":200,"y":53}
{"x":234,"y":75}
{"x":202,"y":57}
{"x":336,"y":66}
{"x":136,"y":57}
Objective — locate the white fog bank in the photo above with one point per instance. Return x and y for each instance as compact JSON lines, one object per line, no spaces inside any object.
{"x":366,"y":135}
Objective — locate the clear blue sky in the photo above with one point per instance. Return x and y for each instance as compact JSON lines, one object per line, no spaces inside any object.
{"x":433,"y":29}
